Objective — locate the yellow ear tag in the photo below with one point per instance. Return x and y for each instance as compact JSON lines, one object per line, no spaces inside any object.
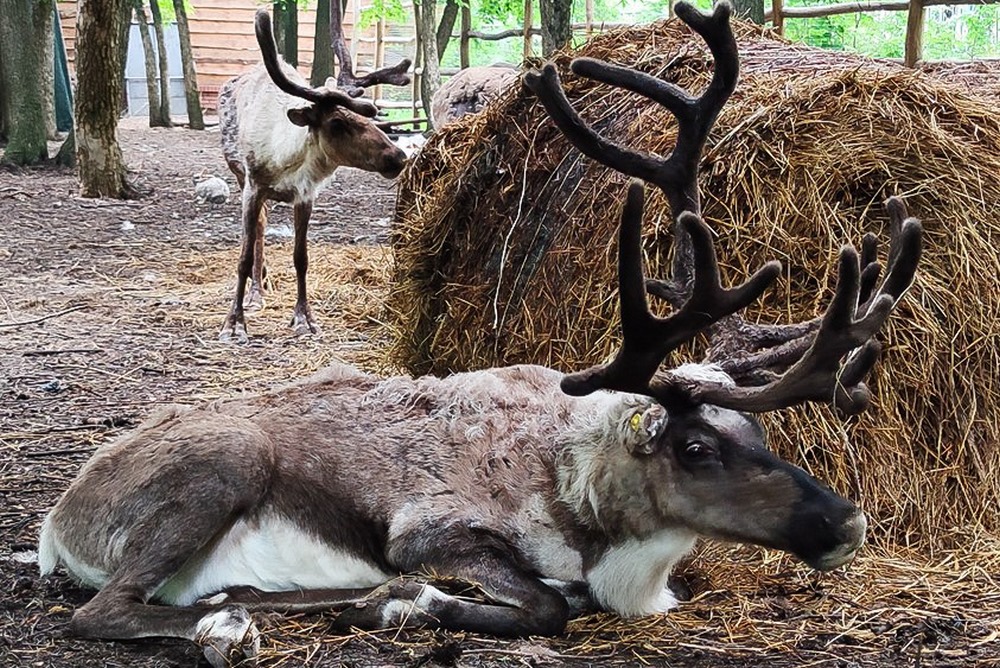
{"x":635,"y":422}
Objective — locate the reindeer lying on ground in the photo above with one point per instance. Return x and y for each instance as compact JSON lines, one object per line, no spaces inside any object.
{"x":283,"y":141}
{"x":554,"y":494}
{"x":469,"y":91}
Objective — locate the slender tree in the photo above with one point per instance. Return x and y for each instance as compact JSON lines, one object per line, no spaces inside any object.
{"x":448,"y":17}
{"x":47,"y":74}
{"x":195,"y":119}
{"x":278,"y":24}
{"x":750,"y":9}
{"x":557,"y":24}
{"x":124,"y":25}
{"x":291,"y":20}
{"x":425,"y":17}
{"x":322,"y":67}
{"x":149,"y":61}
{"x":25,"y":35}
{"x":3,"y":101}
{"x":98,"y":32}
{"x":164,"y":65}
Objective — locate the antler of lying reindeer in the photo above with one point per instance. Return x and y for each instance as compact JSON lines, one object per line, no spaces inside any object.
{"x":676,"y":174}
{"x":396,"y":75}
{"x":780,"y":365}
{"x":269,"y":51}
{"x":646,"y":338}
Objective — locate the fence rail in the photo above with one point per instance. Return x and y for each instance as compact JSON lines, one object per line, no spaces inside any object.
{"x":913,"y":51}
{"x":778,"y":14}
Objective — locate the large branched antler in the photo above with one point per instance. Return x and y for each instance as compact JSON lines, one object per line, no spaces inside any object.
{"x":676,"y":174}
{"x":646,"y":338}
{"x":781,"y":365}
{"x":770,"y":366}
{"x":269,"y":51}
{"x":395,"y":75}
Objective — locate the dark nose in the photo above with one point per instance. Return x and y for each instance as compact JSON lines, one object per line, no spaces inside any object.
{"x":393,"y":160}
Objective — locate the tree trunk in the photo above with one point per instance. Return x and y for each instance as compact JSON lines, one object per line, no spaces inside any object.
{"x":278,"y":24}
{"x":195,"y":120}
{"x":322,"y":67}
{"x":291,"y":21}
{"x":66,"y":157}
{"x":557,"y":25}
{"x":23,"y":41}
{"x":464,"y":42}
{"x":3,"y":93}
{"x":149,"y":60}
{"x":424,"y":16}
{"x":124,"y":26}
{"x":448,"y":17}
{"x":752,"y":10}
{"x":48,"y":71}
{"x":164,"y":65}
{"x":102,"y":168}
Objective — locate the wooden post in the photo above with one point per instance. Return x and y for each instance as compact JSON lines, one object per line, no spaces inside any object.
{"x":528,"y":20}
{"x":379,"y":52}
{"x":355,"y":32}
{"x":417,"y":62}
{"x":463,"y":45}
{"x":589,"y":18}
{"x":914,"y":34}
{"x":777,"y":16}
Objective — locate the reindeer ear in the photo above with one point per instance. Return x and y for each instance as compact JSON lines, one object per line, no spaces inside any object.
{"x":644,"y":428}
{"x":303,"y":116}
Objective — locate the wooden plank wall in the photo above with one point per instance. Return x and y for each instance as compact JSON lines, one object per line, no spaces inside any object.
{"x":223,"y":41}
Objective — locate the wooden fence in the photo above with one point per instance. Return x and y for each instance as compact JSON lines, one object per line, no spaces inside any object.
{"x":913,"y":51}
{"x":224,"y":45}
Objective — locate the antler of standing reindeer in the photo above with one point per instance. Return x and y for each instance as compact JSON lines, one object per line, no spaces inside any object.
{"x":354,"y":85}
{"x":324,"y":96}
{"x":771,"y":366}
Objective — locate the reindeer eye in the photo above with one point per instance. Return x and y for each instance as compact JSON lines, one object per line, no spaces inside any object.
{"x":696,"y":450}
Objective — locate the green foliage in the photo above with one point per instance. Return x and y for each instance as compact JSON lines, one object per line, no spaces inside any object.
{"x":390,"y":10}
{"x":499,"y":12}
{"x":950,"y":32}
{"x":961,"y":32}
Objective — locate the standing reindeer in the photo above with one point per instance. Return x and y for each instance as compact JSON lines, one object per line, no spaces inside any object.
{"x":283,"y":140}
{"x":553,"y":494}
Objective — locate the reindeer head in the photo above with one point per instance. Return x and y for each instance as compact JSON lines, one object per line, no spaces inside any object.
{"x":341,"y":124}
{"x":696,"y":455}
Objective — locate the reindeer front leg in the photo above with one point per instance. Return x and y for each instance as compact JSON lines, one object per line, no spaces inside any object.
{"x":255,"y":297}
{"x":521,"y":604}
{"x":253,"y":203}
{"x":302,"y":318}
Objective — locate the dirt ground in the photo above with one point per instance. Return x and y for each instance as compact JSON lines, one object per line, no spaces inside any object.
{"x":108,"y":309}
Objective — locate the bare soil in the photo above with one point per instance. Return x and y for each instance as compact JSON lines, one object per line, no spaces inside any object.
{"x":109,"y":309}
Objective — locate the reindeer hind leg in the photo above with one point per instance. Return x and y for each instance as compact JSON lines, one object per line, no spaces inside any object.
{"x":212,"y":472}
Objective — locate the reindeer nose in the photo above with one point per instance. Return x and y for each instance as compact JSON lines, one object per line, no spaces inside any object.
{"x":393,"y":159}
{"x":854,"y":530}
{"x":851,"y":533}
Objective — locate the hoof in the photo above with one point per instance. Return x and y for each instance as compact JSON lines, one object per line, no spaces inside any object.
{"x":304,"y":325}
{"x":234,"y":333}
{"x":254,"y":301}
{"x":228,"y":637}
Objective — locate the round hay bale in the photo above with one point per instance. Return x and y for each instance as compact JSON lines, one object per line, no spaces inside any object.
{"x":504,"y":246}
{"x":977,"y":77}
